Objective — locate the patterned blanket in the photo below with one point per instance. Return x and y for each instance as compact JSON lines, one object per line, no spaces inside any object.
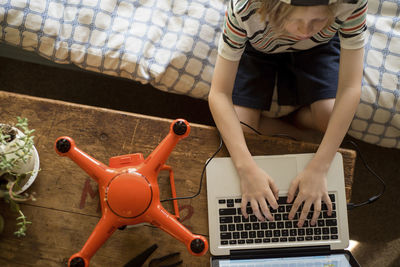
{"x":172,"y":44}
{"x":377,"y":120}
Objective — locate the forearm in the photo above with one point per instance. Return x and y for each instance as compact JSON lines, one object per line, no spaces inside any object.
{"x":347,"y":100}
{"x":339,"y":123}
{"x":225,"y":117}
{"x":231,"y":131}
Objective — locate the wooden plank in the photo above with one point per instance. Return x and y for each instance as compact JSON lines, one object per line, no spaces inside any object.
{"x":55,"y":236}
{"x":67,"y":201}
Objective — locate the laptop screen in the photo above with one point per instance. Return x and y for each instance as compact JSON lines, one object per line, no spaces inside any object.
{"x":333,"y":260}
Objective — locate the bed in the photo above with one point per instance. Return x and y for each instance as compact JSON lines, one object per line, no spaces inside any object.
{"x":172,"y":45}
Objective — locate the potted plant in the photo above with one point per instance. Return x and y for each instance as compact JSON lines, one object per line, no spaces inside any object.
{"x":19,"y":166}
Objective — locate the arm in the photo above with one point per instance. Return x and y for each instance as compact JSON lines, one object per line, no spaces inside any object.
{"x":347,"y":100}
{"x":256,"y":185}
{"x":312,"y":181}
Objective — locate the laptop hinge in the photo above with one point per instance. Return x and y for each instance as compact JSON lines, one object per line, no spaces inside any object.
{"x":279,"y":252}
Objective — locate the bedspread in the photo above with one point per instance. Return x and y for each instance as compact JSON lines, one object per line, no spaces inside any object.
{"x":172,"y":44}
{"x":377,"y":119}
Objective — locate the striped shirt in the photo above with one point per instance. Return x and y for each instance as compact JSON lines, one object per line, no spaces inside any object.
{"x":244,"y":24}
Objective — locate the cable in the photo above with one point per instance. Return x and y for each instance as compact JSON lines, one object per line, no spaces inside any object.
{"x":205,"y":166}
{"x":155,"y":227}
{"x":202,"y":174}
{"x":250,"y":127}
{"x":350,"y":205}
{"x":274,"y":135}
{"x":374,"y":198}
{"x":215,"y":153}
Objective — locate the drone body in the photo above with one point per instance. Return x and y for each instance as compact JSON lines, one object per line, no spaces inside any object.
{"x":129,"y":193}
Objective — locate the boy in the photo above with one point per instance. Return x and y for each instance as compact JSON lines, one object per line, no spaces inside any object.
{"x":292,"y":45}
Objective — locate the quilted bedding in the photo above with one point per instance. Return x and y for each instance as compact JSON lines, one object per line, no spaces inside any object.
{"x":377,"y":120}
{"x":172,"y":44}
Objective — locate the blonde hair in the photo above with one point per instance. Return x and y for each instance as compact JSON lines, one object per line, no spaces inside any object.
{"x":277,"y":12}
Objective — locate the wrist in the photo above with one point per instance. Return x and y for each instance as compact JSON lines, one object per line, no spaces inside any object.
{"x":320,"y":165}
{"x":244,"y":166}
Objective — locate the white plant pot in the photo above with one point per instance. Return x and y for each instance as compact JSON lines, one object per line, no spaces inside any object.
{"x":31,"y":165}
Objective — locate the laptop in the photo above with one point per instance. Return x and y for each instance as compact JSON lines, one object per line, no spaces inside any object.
{"x":236,"y":241}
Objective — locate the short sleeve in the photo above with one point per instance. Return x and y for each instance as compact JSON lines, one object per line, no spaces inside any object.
{"x":353,"y":30}
{"x":233,"y":38}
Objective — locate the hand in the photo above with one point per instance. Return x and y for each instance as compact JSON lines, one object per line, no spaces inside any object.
{"x":312,"y":189}
{"x":257,"y":186}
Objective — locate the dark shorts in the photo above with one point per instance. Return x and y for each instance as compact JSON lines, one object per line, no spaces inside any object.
{"x":302,"y":77}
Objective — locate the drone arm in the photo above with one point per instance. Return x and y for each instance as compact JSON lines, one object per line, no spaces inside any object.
{"x":103,"y":230}
{"x":197,"y":245}
{"x":179,"y":129}
{"x":65,"y":146}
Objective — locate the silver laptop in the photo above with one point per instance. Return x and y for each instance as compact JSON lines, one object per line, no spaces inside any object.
{"x":236,"y":241}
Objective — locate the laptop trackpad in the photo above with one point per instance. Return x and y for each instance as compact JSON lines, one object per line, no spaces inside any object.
{"x":281,"y":170}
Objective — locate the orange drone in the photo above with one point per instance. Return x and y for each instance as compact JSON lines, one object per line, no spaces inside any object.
{"x":129,"y":193}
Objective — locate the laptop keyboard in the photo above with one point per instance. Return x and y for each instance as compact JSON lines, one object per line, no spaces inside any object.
{"x":236,"y":230}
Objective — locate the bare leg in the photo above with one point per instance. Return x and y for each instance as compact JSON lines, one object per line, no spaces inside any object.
{"x":316,"y":116}
{"x":249,"y":116}
{"x":281,"y":127}
{"x":307,"y":124}
{"x":302,"y":118}
{"x":272,"y":127}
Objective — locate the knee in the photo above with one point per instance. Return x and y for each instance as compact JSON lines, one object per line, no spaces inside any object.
{"x":250,"y":118}
{"x":248,"y":127}
{"x":321,"y":112}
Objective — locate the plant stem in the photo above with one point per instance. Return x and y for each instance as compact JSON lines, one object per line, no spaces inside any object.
{"x":22,"y":225}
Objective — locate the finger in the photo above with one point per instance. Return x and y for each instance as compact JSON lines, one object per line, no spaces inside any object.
{"x":292,"y":190}
{"x":275,"y":189}
{"x":304,"y":213}
{"x":265,"y":209}
{"x":256,"y":209}
{"x":295,"y":206}
{"x":243,"y":206}
{"x":317,"y":211}
{"x":328,"y":203}
{"x":269,"y":195}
